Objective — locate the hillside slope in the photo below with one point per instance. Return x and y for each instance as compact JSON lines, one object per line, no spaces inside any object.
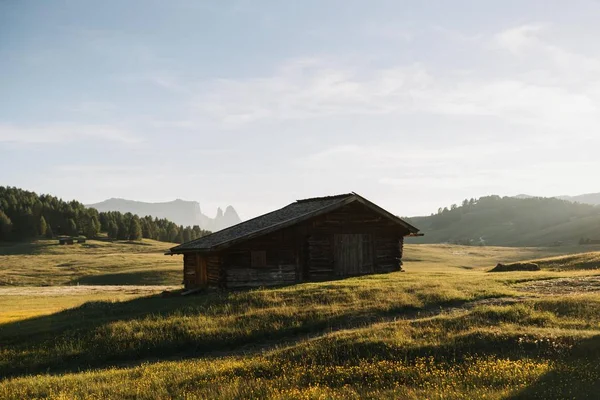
{"x":511,"y":221}
{"x":179,"y":211}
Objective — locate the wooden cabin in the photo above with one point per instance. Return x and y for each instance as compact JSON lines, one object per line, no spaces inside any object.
{"x":309,"y":240}
{"x":65,"y":240}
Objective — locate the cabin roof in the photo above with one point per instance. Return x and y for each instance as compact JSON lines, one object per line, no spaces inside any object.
{"x":291,"y":214}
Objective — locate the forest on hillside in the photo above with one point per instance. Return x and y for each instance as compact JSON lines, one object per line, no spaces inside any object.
{"x":509,"y":221}
{"x":26,"y":215}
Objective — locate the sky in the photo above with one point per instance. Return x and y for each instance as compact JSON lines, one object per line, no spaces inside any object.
{"x":414,"y":105}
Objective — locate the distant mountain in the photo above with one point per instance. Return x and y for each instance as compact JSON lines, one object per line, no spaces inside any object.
{"x":589,"y":198}
{"x":179,"y":211}
{"x":510,"y":221}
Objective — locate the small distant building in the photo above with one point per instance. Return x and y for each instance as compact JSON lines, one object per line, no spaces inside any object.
{"x":314,"y":239}
{"x":65,"y":240}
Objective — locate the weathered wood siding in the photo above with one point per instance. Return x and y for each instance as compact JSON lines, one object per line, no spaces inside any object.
{"x":353,"y":240}
{"x":189,"y":270}
{"x":213,"y":270}
{"x":282,"y":261}
{"x":319,"y":257}
{"x":388,"y":252}
{"x":195,"y":272}
{"x":353,"y":254}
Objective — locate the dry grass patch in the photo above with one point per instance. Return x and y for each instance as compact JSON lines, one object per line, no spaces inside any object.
{"x":46,"y":263}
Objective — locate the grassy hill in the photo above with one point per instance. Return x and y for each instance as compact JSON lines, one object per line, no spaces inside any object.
{"x":445,"y":329}
{"x":97,"y":262}
{"x":511,"y":221}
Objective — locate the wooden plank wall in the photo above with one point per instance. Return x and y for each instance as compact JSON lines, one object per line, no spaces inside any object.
{"x":189,"y":270}
{"x":266,"y":276}
{"x":214,"y":273}
{"x":387,"y":253}
{"x":320,"y":257}
{"x":385,"y":236}
{"x":353,"y":254}
{"x":306,"y":251}
{"x":282,"y":265}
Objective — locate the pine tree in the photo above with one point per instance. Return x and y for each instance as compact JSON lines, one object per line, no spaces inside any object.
{"x":145,"y":228}
{"x":163,"y":235}
{"x":42,"y":226}
{"x":5,"y":226}
{"x":49,"y":233}
{"x":172,"y":233}
{"x":135,"y":230}
{"x":28,"y":226}
{"x":91,"y":226}
{"x":123,"y":230}
{"x":187,"y":234}
{"x":179,"y":237}
{"x":72,"y":227}
{"x":113,"y":230}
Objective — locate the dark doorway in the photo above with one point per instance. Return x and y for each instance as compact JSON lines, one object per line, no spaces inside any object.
{"x":353,"y":254}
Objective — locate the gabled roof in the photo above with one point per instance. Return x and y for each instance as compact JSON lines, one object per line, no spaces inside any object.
{"x":278,"y":219}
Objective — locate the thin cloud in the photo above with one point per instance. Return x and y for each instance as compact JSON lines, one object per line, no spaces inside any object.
{"x":62,"y":133}
{"x":303,"y":89}
{"x":518,"y":39}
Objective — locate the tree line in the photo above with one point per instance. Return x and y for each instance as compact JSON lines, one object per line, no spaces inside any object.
{"x":510,"y":221}
{"x":26,"y":215}
{"x":528,"y":214}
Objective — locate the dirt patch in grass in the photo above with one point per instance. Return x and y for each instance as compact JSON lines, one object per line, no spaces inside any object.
{"x":582,"y":284}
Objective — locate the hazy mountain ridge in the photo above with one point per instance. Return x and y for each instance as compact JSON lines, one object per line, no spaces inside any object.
{"x":512,"y":221}
{"x":179,"y":211}
{"x":588,"y":198}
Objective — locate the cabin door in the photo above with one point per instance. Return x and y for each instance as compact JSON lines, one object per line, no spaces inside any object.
{"x":353,"y":254}
{"x":201,"y":273}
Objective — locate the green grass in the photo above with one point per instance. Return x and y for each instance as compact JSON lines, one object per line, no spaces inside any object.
{"x":445,"y":329}
{"x":45,"y":262}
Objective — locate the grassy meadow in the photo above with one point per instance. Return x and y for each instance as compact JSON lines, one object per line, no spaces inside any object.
{"x":445,"y":329}
{"x":97,"y":262}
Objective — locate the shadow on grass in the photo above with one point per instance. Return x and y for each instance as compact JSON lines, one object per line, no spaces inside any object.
{"x":24,"y":248}
{"x":154,"y":277}
{"x":575,"y":377}
{"x":167,"y":327}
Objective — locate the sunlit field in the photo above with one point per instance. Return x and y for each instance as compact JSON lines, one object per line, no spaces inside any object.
{"x":45,"y":262}
{"x":444,"y":329}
